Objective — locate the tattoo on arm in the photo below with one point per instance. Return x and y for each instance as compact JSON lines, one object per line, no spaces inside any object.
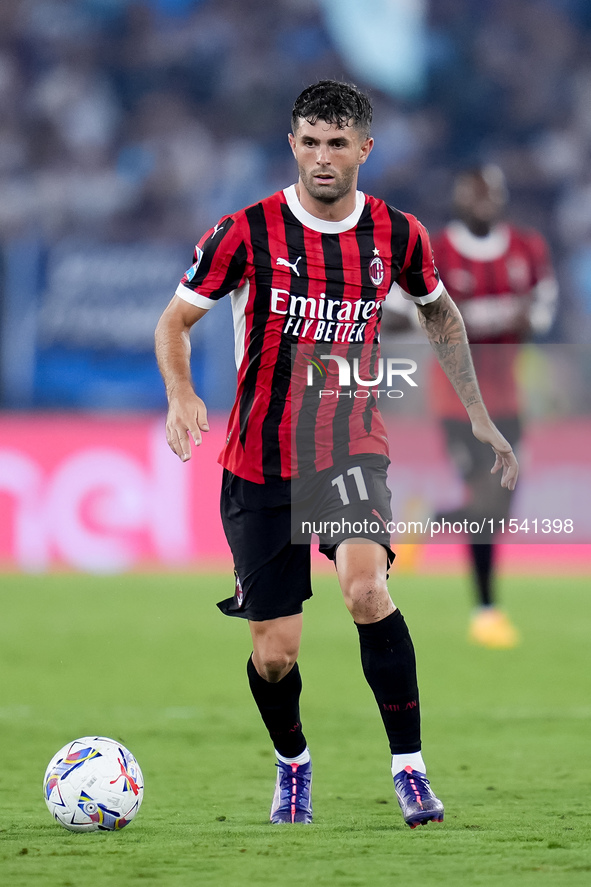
{"x":445,"y":330}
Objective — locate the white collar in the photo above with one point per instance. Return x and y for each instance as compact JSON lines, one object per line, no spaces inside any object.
{"x":321,"y":225}
{"x":480,"y":249}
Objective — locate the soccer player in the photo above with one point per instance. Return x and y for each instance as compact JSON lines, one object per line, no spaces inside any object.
{"x":308,"y":269}
{"x":500,"y":277}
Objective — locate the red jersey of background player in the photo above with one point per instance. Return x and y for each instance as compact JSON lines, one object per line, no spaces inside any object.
{"x":303,"y":289}
{"x":504,"y":286}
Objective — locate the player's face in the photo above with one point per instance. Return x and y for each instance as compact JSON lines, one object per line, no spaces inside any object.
{"x":328,"y":158}
{"x":480,"y":198}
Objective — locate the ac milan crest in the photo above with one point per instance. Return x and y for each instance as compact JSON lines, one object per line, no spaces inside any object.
{"x":376,"y":271}
{"x":239,"y":591}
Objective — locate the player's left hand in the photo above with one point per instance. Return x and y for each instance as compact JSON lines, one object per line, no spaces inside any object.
{"x":508,"y":463}
{"x":484,"y":429}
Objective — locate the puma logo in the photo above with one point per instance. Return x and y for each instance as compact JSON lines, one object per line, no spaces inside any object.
{"x":379,"y":516}
{"x":130,"y":780}
{"x":294,"y":266}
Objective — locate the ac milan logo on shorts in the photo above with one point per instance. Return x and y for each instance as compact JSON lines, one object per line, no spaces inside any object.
{"x":239,"y":592}
{"x":376,"y":271}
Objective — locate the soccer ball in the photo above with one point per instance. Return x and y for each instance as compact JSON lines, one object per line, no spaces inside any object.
{"x":93,"y":784}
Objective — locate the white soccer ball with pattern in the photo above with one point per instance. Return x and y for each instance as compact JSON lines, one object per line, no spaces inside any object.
{"x":93,"y":784}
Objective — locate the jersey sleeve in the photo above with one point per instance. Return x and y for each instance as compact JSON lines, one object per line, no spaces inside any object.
{"x":540,"y":256}
{"x":419,"y":278}
{"x":545,"y":290}
{"x":219,"y":265}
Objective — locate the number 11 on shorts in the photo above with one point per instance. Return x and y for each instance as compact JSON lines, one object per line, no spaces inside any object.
{"x":339,"y":483}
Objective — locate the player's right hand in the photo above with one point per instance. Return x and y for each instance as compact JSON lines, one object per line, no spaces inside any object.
{"x":187,"y":418}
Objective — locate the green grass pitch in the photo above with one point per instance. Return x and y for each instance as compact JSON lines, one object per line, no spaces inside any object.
{"x":150,"y":661}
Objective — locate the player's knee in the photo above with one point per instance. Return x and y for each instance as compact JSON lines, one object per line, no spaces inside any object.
{"x":273,"y":665}
{"x":367,"y":598}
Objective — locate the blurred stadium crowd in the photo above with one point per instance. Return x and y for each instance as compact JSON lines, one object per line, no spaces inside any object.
{"x":127,"y":128}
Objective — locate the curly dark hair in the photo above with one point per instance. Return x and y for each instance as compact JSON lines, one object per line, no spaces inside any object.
{"x":339,"y":103}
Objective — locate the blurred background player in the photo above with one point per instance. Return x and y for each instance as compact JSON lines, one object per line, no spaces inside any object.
{"x":501,"y":278}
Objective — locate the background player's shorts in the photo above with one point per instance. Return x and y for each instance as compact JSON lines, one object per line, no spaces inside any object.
{"x":470,"y":456}
{"x":487,"y":499}
{"x":269,"y":529}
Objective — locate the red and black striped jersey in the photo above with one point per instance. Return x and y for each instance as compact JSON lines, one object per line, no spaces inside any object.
{"x":504,"y":287}
{"x":306,"y":295}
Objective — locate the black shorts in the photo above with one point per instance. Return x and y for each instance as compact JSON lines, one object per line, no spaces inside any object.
{"x":269,"y":529}
{"x":487,"y":499}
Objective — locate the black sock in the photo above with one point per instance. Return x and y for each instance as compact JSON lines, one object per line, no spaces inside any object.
{"x":482,"y":562}
{"x":388,"y":660}
{"x":279,"y":705}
